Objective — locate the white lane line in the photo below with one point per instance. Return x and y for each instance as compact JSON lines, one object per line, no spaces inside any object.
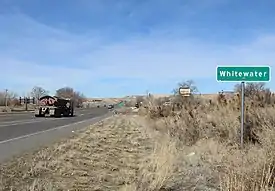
{"x":40,"y":132}
{"x":21,"y":122}
{"x":15,"y":114}
{"x":17,"y":121}
{"x":12,"y":123}
{"x":23,"y":113}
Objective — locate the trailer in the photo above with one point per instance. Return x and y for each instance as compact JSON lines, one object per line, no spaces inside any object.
{"x":53,"y":106}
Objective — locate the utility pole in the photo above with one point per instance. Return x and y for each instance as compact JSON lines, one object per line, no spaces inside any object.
{"x":6,"y":98}
{"x":26,"y":103}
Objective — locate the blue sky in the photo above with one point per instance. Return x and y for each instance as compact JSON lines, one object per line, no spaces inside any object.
{"x":108,"y":48}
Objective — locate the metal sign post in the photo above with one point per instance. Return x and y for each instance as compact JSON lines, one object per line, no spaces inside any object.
{"x":242,"y":112}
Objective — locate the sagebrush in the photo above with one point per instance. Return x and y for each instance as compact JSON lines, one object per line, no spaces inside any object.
{"x":194,"y":120}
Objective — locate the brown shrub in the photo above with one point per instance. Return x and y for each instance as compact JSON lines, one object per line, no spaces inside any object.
{"x":195,"y":124}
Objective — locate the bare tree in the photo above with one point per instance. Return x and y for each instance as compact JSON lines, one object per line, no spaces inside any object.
{"x":79,"y":98}
{"x":257,"y":92}
{"x":8,"y":97}
{"x":189,"y":84}
{"x":68,"y":92}
{"x":65,"y":92}
{"x":251,"y":89}
{"x":2,"y":98}
{"x":38,"y":92}
{"x":178,"y":100}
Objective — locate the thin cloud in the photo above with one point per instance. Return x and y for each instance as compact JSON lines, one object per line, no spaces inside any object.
{"x":35,"y":53}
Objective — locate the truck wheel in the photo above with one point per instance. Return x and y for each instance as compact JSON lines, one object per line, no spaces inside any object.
{"x":57,"y":113}
{"x":38,"y":112}
{"x":66,"y":113}
{"x":39,"y":115}
{"x":72,"y":113}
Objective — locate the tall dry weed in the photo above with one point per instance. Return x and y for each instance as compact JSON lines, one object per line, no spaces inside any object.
{"x":194,"y":124}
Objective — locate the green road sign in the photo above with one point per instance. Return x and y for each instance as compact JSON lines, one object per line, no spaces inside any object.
{"x":121,"y":104}
{"x":243,"y":73}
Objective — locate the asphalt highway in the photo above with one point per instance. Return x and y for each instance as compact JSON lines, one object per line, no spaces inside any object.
{"x":15,"y":117}
{"x":16,"y":125}
{"x":30,"y":115}
{"x":22,"y":132}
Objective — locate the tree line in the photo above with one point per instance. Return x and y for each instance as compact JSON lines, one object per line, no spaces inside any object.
{"x":37,"y":92}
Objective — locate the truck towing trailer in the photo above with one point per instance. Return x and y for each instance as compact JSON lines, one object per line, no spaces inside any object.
{"x":52,"y":106}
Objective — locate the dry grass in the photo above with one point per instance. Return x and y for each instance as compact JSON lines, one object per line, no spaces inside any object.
{"x":105,"y":157}
{"x":210,"y":133}
{"x":161,"y":149}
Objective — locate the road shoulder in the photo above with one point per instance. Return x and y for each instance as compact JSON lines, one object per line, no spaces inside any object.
{"x":105,"y":157}
{"x":13,"y":147}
